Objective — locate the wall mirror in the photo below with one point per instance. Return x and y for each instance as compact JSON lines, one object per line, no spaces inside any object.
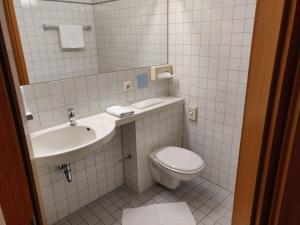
{"x":117,"y":35}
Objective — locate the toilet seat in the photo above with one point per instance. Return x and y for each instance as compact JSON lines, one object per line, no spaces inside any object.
{"x":179,"y":160}
{"x":170,"y":166}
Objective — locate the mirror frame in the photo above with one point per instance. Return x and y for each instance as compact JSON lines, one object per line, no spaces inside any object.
{"x":14,"y":35}
{"x":16,"y":44}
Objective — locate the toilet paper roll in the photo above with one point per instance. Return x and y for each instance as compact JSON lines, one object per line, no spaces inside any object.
{"x":165,"y":75}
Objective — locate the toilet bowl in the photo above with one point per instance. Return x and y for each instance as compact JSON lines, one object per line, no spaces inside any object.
{"x":171,"y":165}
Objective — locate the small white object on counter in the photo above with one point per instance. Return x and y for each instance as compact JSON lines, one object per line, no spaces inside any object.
{"x":146,"y":103}
{"x":119,"y":111}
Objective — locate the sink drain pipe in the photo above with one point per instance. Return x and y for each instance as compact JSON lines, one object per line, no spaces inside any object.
{"x":67,"y":171}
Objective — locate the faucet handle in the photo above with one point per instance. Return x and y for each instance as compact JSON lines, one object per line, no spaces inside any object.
{"x":71,"y":112}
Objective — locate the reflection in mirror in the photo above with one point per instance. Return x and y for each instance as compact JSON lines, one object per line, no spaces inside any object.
{"x":124,"y":34}
{"x":131,"y":34}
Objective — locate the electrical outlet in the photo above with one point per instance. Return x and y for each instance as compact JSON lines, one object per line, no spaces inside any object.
{"x":192,"y":112}
{"x":127,"y":86}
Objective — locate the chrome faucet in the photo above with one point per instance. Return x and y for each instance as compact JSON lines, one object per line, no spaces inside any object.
{"x":71,"y":117}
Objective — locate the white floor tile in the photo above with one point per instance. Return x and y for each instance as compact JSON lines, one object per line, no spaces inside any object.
{"x":209,"y":204}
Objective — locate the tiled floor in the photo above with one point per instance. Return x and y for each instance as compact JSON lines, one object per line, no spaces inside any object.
{"x":209,"y":203}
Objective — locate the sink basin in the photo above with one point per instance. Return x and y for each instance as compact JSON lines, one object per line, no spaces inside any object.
{"x":64,"y":143}
{"x":64,"y":139}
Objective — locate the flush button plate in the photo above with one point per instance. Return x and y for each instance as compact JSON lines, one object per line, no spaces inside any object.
{"x":192,"y":112}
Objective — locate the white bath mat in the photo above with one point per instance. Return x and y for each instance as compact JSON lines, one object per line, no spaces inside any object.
{"x":159,"y":214}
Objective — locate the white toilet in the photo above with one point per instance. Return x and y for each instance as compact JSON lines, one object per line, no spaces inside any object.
{"x":171,"y":165}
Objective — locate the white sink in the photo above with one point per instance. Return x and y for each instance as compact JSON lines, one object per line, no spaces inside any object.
{"x":64,"y":139}
{"x":64,"y":143}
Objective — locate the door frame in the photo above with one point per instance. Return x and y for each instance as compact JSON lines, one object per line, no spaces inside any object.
{"x":272,"y":78}
{"x":16,"y":111}
{"x":15,"y":40}
{"x":285,"y":204}
{"x":17,"y":189}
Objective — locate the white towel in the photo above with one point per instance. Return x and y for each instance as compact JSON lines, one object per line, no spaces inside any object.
{"x":71,"y":36}
{"x":159,"y":214}
{"x":119,"y":111}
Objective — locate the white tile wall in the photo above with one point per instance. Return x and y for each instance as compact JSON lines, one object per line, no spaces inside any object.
{"x":45,"y":60}
{"x":131,"y":34}
{"x":49,"y":101}
{"x":93,"y":176}
{"x":144,"y":136}
{"x":209,"y":45}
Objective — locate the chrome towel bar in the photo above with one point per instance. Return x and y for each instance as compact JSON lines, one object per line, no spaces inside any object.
{"x":48,"y":27}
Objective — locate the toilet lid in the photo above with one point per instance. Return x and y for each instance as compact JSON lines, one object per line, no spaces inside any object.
{"x":179,"y":159}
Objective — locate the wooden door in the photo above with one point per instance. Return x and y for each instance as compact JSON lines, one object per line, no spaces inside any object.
{"x":272,"y":80}
{"x":285,"y":204}
{"x":15,"y":198}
